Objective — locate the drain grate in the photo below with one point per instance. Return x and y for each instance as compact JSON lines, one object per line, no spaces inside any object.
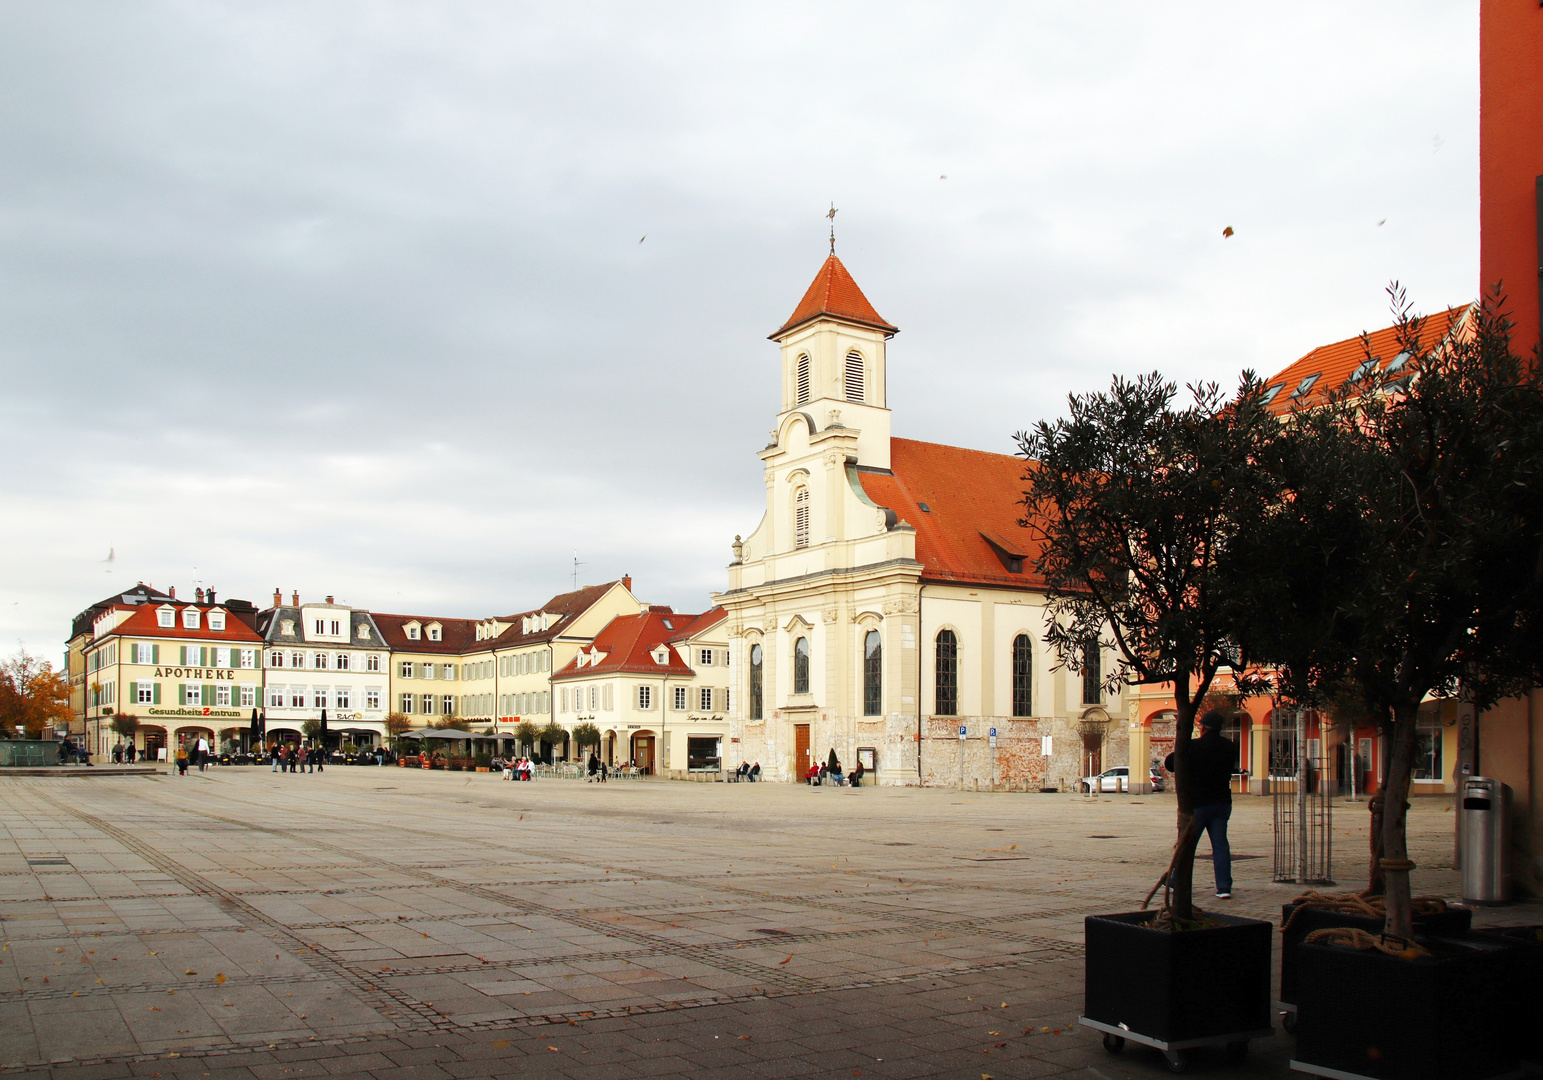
{"x":48,"y":860}
{"x":775,"y":933}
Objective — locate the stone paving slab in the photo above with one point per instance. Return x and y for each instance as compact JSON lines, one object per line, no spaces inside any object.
{"x":259,"y":926}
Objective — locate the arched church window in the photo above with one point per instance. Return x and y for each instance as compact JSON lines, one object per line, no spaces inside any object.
{"x":873,"y":674}
{"x":945,"y":687}
{"x":801,"y":517}
{"x":801,"y":666}
{"x":803,"y":380}
{"x":1023,"y":676}
{"x":755,"y":682}
{"x":854,"y":376}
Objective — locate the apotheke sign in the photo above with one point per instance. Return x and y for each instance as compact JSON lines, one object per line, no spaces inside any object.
{"x":214,"y":674}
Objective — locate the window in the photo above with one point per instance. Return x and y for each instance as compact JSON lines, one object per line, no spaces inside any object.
{"x":755,"y":681}
{"x":434,"y":633}
{"x":945,"y":689}
{"x":801,"y":391}
{"x":645,"y":697}
{"x":321,"y":626}
{"x":407,"y":703}
{"x":412,"y":633}
{"x":217,"y":620}
{"x":680,"y":699}
{"x":275,"y":697}
{"x":426,"y":671}
{"x":342,"y":661}
{"x":222,"y":695}
{"x":192,"y":693}
{"x":705,"y":656}
{"x":297,"y":697}
{"x":144,"y":693}
{"x":1023,"y":676}
{"x":166,"y":617}
{"x":705,"y":699}
{"x":321,"y":661}
{"x":873,"y":674}
{"x":144,"y":654}
{"x":340,"y":697}
{"x":854,"y":376}
{"x":1427,"y":747}
{"x":594,"y":698}
{"x":1092,"y":674}
{"x":336,"y":627}
{"x":447,"y":705}
{"x":364,"y":632}
{"x":276,"y":658}
{"x":801,"y":517}
{"x":1269,"y":395}
{"x":297,"y":660}
{"x":248,"y":696}
{"x":372,"y":663}
{"x":407,"y":669}
{"x":801,"y":666}
{"x":609,"y":704}
{"x":1305,"y":385}
{"x":372,"y":699}
{"x":190,"y":618}
{"x":249,"y":658}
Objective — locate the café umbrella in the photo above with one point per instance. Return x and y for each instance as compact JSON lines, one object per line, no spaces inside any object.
{"x":321,"y":735}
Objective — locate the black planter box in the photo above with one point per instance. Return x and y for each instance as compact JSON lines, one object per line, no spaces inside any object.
{"x":1450,"y":1016}
{"x":1451,"y":922}
{"x":1527,"y":984}
{"x":1176,"y":987}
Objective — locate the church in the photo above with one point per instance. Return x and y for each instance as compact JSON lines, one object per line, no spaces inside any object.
{"x":886,"y":607}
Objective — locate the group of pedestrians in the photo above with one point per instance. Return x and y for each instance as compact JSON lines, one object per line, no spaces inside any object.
{"x":292,"y":758}
{"x":125,"y":753}
{"x":599,"y":771}
{"x":516,"y":768}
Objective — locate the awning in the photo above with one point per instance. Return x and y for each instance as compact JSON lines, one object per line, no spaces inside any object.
{"x":440,"y":733}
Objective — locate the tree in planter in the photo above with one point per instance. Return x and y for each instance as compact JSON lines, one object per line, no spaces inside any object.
{"x":311,"y":729}
{"x":585,"y":734}
{"x":1441,"y":594}
{"x":1136,"y":509}
{"x":124,"y":726}
{"x":527,"y":735}
{"x":554,"y":735}
{"x":396,"y":725}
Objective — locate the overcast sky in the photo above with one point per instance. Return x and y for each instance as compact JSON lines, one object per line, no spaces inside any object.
{"x":350,"y":299}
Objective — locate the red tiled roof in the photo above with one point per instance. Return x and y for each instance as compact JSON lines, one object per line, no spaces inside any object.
{"x":628,"y":642}
{"x":698,"y":624}
{"x":460,"y":635}
{"x":142,"y":623}
{"x":1334,"y":364}
{"x":454,"y":634}
{"x":970,"y":495}
{"x":834,"y":293}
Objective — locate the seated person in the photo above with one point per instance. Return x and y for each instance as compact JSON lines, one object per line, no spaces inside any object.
{"x":856,"y":779}
{"x":743,"y":770}
{"x":813,"y":775}
{"x":755,"y":772}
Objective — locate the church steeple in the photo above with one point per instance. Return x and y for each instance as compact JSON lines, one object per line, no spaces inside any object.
{"x":833,"y":365}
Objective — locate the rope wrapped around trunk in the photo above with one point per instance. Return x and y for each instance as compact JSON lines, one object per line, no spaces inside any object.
{"x":1371,"y":907}
{"x":1350,"y":937}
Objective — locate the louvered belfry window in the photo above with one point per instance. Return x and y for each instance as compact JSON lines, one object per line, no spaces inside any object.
{"x":854,"y":376}
{"x":801,"y":518}
{"x":803,"y":380}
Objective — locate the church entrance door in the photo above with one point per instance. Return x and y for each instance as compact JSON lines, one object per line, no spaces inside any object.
{"x":800,"y":750}
{"x":1093,"y":753}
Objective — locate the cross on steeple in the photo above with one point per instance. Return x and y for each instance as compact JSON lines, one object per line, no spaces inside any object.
{"x":832,"y":215}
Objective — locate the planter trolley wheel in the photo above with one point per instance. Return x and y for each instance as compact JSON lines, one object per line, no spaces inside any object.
{"x":1235,"y":1044}
{"x":1288,"y":1016}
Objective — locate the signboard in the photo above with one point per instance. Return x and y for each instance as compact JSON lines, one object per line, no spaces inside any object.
{"x":962,"y":732}
{"x":993,"y":737}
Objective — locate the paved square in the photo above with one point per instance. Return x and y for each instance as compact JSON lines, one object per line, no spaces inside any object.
{"x":238,"y":923}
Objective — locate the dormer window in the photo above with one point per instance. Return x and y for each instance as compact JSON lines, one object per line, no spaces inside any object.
{"x":287,"y":627}
{"x":412,"y":631}
{"x":433,"y":629}
{"x":190,"y":618}
{"x":1271,"y":393}
{"x":217,"y":620}
{"x":1305,"y":385}
{"x":166,"y":617}
{"x":662,"y":656}
{"x":364,"y":632}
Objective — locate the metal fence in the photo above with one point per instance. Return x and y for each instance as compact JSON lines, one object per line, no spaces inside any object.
{"x":1300,"y":789}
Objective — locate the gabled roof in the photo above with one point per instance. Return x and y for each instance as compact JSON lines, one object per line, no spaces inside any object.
{"x":270,"y":624}
{"x":460,"y":635}
{"x":697,"y":625}
{"x":1335,"y":364}
{"x":833,"y":293}
{"x":969,"y":495}
{"x":143,"y":623}
{"x":139,"y":594}
{"x":628,"y":642}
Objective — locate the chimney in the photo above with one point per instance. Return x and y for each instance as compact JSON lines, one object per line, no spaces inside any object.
{"x":172,"y":592}
{"x":296,"y":600}
{"x":278,"y":597}
{"x":209,"y":596}
{"x":329,"y":599}
{"x":198,"y":595}
{"x":626,"y":582}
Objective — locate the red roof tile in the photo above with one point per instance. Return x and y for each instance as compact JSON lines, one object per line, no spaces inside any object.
{"x":1334,"y":364}
{"x":969,"y":495}
{"x":628,"y":642}
{"x":460,"y":635}
{"x":143,"y":623}
{"x":834,"y":293}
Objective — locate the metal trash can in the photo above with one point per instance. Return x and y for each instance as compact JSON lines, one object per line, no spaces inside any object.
{"x":1486,"y":841}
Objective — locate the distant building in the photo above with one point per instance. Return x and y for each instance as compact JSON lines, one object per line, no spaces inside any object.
{"x":324,"y":657}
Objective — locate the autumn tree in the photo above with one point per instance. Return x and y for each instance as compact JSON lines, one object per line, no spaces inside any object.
{"x":1136,"y":507}
{"x":34,"y":698}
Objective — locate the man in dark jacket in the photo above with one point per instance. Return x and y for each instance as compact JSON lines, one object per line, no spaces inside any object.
{"x":1210,"y":763}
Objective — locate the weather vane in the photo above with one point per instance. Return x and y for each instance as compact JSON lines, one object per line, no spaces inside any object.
{"x":832,"y":215}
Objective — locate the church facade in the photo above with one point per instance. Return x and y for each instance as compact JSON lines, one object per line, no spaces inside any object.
{"x":886,"y":607}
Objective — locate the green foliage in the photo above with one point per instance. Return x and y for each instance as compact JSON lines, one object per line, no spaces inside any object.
{"x":125,"y":725}
{"x":527,"y":734}
{"x":33,"y":696}
{"x":585,"y":734}
{"x":311,"y":729}
{"x":484,"y":761}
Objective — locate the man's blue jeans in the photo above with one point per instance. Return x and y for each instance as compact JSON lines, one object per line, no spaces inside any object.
{"x":1213,"y":819}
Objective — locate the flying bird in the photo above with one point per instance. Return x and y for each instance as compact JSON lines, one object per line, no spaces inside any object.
{"x":943,"y":177}
{"x":110,"y":555}
{"x":1381,"y":223}
{"x":1227,"y":231}
{"x":644,"y":237}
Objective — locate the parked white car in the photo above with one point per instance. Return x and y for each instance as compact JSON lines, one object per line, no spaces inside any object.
{"x":1118,"y":779}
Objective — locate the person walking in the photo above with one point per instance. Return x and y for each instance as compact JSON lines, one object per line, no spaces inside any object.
{"x":128,"y":753}
{"x":1209,"y":764}
{"x":203,"y":753}
{"x":117,"y":753}
{"x":274,"y":757}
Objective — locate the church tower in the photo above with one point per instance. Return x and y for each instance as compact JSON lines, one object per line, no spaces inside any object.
{"x":833,"y":362}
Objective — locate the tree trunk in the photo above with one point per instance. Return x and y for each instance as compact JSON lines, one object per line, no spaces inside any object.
{"x":1181,"y":880}
{"x":1395,"y":813}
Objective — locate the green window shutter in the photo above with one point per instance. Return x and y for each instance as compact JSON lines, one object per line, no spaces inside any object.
{"x":206,"y":694}
{"x":203,"y":657}
{"x":182,"y":692}
{"x":155,"y":695}
{"x":183,"y":654}
{"x":155,"y":658}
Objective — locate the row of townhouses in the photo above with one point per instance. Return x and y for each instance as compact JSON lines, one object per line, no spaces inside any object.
{"x":203,"y":668}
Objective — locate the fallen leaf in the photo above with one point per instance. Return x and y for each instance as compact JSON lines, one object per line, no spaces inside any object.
{"x":784,"y":961}
{"x":155,"y":1008}
{"x":219,"y":978}
{"x":190,"y":971}
{"x":499,"y":1044}
{"x":553,"y":1049}
{"x":1227,"y":231}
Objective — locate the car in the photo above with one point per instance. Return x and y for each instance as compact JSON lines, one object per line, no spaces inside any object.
{"x":1118,"y":779}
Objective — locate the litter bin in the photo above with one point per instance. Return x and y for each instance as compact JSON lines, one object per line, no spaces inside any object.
{"x":1486,"y":840}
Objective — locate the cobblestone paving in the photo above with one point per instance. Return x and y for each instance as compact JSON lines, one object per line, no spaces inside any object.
{"x":237,"y":924}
